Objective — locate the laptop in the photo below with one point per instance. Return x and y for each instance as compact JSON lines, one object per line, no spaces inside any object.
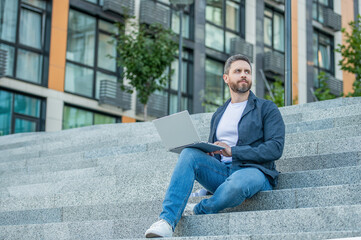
{"x":178,"y":132}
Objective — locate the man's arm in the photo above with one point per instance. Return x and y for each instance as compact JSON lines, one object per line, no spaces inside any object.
{"x":272,"y":147}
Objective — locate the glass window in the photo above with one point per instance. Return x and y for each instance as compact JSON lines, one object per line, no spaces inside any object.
{"x":79,"y":80}
{"x":74,"y":117}
{"x":175,"y":76}
{"x":103,"y":119}
{"x":36,"y":3}
{"x":10,"y":59}
{"x":273,"y":31}
{"x":81,"y":66}
{"x":104,"y":51}
{"x":23,"y":125}
{"x":224,"y":21}
{"x":20,"y":113}
{"x":29,"y":66}
{"x":214,"y":85}
{"x":185,"y":24}
{"x":27,"y":105}
{"x":323,"y":55}
{"x":318,"y":9}
{"x":22,"y":33}
{"x":8,"y":16}
{"x":81,"y":38}
{"x":233,"y":16}
{"x":214,"y":11}
{"x":5,"y":112}
{"x":214,"y":37}
{"x":30,"y":28}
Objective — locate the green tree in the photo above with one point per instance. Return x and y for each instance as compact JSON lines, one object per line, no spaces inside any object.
{"x":323,"y":92}
{"x":145,"y":52}
{"x":351,"y":55}
{"x":278,"y":93}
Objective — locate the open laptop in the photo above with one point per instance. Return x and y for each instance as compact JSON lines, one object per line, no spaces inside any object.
{"x":178,"y":132}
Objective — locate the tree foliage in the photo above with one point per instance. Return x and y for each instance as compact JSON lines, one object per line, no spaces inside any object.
{"x":351,"y":54}
{"x":145,"y":52}
{"x":278,"y":93}
{"x":323,"y":92}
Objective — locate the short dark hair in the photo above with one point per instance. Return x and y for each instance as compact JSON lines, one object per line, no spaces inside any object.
{"x":234,"y":58}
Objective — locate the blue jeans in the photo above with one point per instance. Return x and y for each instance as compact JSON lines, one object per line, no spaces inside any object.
{"x":230,"y":185}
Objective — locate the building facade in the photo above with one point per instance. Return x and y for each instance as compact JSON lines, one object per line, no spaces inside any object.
{"x":58,"y":74}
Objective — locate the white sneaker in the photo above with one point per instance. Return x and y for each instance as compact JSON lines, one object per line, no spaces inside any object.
{"x":188,"y":211}
{"x":159,"y":229}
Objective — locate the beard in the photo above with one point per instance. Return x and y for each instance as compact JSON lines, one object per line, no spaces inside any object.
{"x":240,"y":89}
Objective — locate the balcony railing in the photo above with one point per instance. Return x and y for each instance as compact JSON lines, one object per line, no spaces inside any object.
{"x":274,"y":62}
{"x":119,"y":6}
{"x":111,"y":94}
{"x":239,"y":45}
{"x":331,"y":19}
{"x":151,"y":12}
{"x":3,"y":58}
{"x":157,"y":106}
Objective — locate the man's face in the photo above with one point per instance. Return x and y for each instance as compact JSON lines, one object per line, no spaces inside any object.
{"x":239,"y":77}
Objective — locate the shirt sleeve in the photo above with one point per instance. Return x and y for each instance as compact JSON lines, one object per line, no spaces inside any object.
{"x":272,"y":147}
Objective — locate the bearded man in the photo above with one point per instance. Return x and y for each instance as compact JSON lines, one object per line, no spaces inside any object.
{"x":252,"y":132}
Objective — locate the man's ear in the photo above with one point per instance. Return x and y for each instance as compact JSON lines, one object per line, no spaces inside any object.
{"x":225,"y":78}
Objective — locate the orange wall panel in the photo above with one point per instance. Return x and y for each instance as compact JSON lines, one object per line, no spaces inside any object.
{"x":59,"y":28}
{"x":294,"y":17}
{"x":347,"y":16}
{"x":127,"y":119}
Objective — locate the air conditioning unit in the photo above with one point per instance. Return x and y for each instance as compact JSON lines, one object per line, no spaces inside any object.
{"x":151,"y":12}
{"x":122,"y":7}
{"x":238,"y":45}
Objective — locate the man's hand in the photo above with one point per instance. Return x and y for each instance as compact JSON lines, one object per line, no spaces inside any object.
{"x":227,"y":151}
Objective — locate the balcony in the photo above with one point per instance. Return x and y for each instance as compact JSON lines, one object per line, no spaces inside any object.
{"x":157,"y":106}
{"x":274,"y":62}
{"x":122,"y":7}
{"x":3,"y":58}
{"x":335,"y":85}
{"x":151,"y":12}
{"x":110,"y":93}
{"x":239,"y":45}
{"x":331,"y":19}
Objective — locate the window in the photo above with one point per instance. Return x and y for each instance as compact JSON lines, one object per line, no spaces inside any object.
{"x":87,"y":54}
{"x":175,"y":21}
{"x":274,"y":36}
{"x":215,"y":91}
{"x":225,"y":19}
{"x":20,"y":113}
{"x":187,"y":84}
{"x":74,"y":117}
{"x":318,"y":8}
{"x":323,"y":56}
{"x":23,"y":35}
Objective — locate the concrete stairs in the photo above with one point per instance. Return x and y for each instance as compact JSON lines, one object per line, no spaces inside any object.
{"x":108,"y":182}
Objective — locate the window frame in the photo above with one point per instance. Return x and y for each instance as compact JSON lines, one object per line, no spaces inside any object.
{"x":332,"y":53}
{"x":118,"y":119}
{"x":224,"y":29}
{"x":273,"y":10}
{"x":40,"y":121}
{"x":95,"y":68}
{"x":43,"y":51}
{"x":318,"y":5}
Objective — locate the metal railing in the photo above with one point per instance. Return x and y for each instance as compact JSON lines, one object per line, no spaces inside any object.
{"x":119,"y":6}
{"x":3,"y":62}
{"x":267,"y":85}
{"x":335,"y":85}
{"x":157,"y":106}
{"x":238,"y":45}
{"x":151,"y":12}
{"x":274,"y":62}
{"x":331,"y":19}
{"x":110,"y":93}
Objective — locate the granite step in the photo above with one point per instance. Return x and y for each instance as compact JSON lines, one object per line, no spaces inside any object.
{"x":275,"y":222}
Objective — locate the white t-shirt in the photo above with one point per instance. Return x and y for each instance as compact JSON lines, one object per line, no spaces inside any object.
{"x":227,"y":130}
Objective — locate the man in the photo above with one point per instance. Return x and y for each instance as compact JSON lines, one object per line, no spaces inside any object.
{"x":252,"y":132}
